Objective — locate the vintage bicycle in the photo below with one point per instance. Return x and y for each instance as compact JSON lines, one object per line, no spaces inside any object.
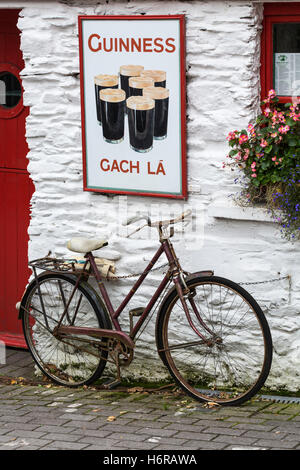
{"x":210,"y":333}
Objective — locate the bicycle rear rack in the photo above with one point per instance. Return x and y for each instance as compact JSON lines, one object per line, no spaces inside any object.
{"x":79,"y":266}
{"x":59,"y":265}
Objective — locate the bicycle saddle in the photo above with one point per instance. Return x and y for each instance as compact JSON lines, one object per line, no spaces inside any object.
{"x":84,"y":245}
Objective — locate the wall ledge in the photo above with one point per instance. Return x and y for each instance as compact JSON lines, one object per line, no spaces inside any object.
{"x":254,"y":214}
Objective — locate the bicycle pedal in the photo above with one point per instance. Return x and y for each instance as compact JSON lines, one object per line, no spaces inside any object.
{"x":136,"y":312}
{"x":111,"y":384}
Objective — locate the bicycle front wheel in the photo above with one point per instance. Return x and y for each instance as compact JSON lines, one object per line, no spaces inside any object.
{"x":72,"y":360}
{"x":233,"y":366}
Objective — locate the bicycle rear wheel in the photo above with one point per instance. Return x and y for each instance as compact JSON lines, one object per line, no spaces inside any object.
{"x":71,"y":360}
{"x":235,"y":365}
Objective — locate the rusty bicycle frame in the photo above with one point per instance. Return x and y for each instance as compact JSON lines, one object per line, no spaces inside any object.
{"x":174,"y":273}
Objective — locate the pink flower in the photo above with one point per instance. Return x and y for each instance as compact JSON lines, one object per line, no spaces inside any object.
{"x":246,"y":154}
{"x":254,"y":175}
{"x":231,"y":135}
{"x":284,"y":129}
{"x":263,"y":143}
{"x":274,"y":134}
{"x":251,"y":130}
{"x":267,"y":111}
{"x":243,"y":138}
{"x":272,"y":93}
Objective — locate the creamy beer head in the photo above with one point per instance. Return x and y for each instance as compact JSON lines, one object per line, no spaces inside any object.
{"x":112,"y":95}
{"x":106,"y":80}
{"x":140,"y":82}
{"x":140,"y":103}
{"x":157,"y":75}
{"x":156,"y":92}
{"x":131,"y":70}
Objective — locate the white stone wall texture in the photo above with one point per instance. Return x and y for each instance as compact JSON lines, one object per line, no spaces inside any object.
{"x":223,"y":93}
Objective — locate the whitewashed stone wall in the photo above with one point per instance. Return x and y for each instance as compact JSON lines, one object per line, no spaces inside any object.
{"x":222,"y":62}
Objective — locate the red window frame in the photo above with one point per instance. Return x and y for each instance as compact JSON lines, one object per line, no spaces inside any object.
{"x":288,"y":12}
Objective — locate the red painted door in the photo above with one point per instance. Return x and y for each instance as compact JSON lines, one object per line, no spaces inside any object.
{"x":15,"y":184}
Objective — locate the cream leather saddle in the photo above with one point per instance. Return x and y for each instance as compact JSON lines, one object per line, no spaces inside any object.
{"x":84,"y":245}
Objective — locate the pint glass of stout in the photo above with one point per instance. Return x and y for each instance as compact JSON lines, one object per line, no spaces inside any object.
{"x":159,"y":76}
{"x":127,"y":71}
{"x":112,"y":104}
{"x":161,"y":97}
{"x":140,"y":112}
{"x":103,"y":81}
{"x":136,"y":85}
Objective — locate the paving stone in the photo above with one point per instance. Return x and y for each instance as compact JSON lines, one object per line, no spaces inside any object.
{"x":211,"y":445}
{"x":23,"y":433}
{"x":65,"y":445}
{"x":136,"y":445}
{"x":116,"y":427}
{"x":77,"y":417}
{"x":277,"y":444}
{"x":241,"y":440}
{"x":223,"y":430}
{"x":169,"y":441}
{"x":196,"y":435}
{"x":157,"y":432}
{"x":265,"y":435}
{"x":15,"y":419}
{"x":137,"y":437}
{"x":92,"y":432}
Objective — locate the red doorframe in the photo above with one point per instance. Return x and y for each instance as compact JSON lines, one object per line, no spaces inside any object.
{"x":16,"y":187}
{"x":285,"y":12}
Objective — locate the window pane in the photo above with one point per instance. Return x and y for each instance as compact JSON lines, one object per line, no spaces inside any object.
{"x":10,"y":90}
{"x":286,"y":53}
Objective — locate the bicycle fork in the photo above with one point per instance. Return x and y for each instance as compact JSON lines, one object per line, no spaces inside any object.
{"x":185,"y":293}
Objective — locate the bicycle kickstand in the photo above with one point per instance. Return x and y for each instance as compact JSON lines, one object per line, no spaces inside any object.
{"x":110,"y":384}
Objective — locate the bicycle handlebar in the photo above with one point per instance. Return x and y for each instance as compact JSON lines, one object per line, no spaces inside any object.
{"x":136,"y":217}
{"x":160,"y":223}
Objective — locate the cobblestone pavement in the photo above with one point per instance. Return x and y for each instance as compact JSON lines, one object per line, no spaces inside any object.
{"x":43,"y":416}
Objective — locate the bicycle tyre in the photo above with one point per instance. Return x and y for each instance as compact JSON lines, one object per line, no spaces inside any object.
{"x":228,"y":373}
{"x":62,"y":360}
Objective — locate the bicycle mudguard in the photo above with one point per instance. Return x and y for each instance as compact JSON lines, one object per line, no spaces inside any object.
{"x":97,"y":299}
{"x":20,"y":305}
{"x":199,"y":273}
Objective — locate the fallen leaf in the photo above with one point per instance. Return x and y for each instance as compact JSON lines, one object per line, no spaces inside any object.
{"x":135,"y":389}
{"x":211,"y":404}
{"x":123,"y":412}
{"x":13,"y":382}
{"x":111,"y":418}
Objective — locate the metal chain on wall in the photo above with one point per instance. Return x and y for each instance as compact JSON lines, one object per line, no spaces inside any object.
{"x":276,"y":279}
